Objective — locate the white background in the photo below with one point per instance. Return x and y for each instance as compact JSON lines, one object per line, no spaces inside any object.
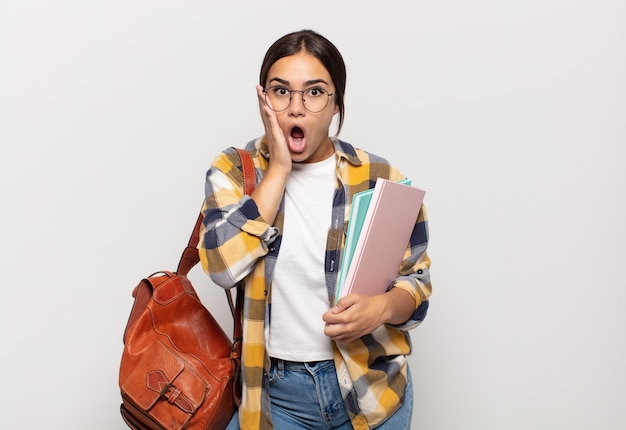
{"x":511,"y":114}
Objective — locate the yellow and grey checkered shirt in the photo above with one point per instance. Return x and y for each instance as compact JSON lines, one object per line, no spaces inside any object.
{"x":236,"y":243}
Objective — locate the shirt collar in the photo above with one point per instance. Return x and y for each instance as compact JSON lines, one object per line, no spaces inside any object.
{"x":342,"y":150}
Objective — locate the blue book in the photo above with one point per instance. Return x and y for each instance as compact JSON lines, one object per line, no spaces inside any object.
{"x":358,"y":210}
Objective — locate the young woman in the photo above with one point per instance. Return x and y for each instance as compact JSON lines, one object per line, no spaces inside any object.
{"x":308,"y":362}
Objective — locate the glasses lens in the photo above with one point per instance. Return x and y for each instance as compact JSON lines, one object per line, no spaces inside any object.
{"x":315,"y":100}
{"x":278,"y":98}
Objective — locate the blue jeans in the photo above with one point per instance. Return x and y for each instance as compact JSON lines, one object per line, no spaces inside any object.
{"x":307,"y":396}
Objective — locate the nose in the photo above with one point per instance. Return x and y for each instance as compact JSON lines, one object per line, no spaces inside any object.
{"x":296,"y":107}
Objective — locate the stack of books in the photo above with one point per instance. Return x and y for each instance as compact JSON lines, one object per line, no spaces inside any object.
{"x":380,"y":226}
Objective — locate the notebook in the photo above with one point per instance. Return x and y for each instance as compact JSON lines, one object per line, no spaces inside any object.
{"x":379,"y":229}
{"x":358,"y":210}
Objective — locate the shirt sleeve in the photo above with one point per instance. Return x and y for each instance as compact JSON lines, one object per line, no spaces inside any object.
{"x":415,"y":272}
{"x":233,"y":235}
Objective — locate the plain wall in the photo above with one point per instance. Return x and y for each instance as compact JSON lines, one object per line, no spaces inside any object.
{"x":511,"y":114}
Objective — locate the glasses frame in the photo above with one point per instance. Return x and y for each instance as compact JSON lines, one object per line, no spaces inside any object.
{"x":291,"y":98}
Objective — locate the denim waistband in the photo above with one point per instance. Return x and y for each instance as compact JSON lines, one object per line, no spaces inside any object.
{"x":299,"y":365}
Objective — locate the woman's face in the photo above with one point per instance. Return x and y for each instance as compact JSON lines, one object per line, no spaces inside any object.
{"x":306,"y":133}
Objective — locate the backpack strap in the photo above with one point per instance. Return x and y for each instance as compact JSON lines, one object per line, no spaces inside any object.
{"x":190,"y":256}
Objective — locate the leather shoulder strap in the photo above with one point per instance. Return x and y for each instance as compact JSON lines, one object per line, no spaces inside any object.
{"x":249,"y":182}
{"x":247,"y":166}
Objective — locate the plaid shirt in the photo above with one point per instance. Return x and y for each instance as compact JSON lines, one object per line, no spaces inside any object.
{"x":236,"y":243}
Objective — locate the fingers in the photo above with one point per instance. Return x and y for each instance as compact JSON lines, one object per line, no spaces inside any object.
{"x":345,"y":302}
{"x":352,"y":317}
{"x":267,"y":114}
{"x":343,"y":332}
{"x":277,"y":144}
{"x":341,"y":325}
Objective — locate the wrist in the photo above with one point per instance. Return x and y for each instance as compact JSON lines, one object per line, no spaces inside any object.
{"x":399,"y":306}
{"x":278,"y":172}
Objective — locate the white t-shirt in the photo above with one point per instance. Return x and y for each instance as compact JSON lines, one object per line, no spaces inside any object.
{"x":299,"y":293}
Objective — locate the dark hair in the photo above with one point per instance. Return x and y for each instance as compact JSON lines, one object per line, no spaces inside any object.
{"x":319,"y":47}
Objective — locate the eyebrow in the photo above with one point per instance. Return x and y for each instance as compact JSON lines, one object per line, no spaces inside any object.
{"x":306,"y":84}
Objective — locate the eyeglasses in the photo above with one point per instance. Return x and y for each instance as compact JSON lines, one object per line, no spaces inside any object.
{"x":314,"y":99}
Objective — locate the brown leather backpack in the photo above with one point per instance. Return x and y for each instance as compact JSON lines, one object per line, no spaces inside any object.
{"x":179,"y":369}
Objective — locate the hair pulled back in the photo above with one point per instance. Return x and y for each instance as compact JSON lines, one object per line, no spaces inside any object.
{"x":318,"y":46}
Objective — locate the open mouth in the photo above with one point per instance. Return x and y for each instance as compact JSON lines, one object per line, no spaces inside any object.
{"x":296,"y":139}
{"x":297,"y":133}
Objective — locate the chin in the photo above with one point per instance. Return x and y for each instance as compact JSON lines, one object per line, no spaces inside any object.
{"x":299,"y":158}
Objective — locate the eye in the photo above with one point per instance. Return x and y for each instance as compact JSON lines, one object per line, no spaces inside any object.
{"x":315,"y":92}
{"x":279,"y":91}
